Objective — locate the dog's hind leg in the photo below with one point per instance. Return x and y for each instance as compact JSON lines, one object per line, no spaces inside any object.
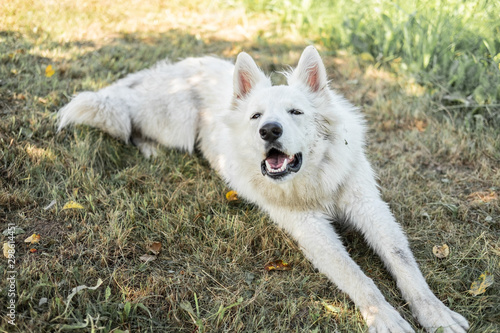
{"x":148,"y":148}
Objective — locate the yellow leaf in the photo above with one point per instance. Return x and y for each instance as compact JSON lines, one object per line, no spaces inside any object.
{"x":72,"y":205}
{"x":479,"y":286}
{"x":8,"y":250}
{"x":232,"y":196}
{"x":49,"y":71}
{"x":441,"y":251}
{"x":330,"y":308}
{"x":35,"y":238}
{"x":278,"y":265}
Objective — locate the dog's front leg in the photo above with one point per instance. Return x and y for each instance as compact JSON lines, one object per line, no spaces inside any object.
{"x":323,"y":248}
{"x":370,"y":215}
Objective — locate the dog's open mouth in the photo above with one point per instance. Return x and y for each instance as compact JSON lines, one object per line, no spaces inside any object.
{"x":278,"y":164}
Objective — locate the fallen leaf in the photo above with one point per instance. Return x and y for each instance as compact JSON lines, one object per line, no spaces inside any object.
{"x":8,"y":250}
{"x":72,"y":205}
{"x":232,"y":196}
{"x":420,"y":125}
{"x":49,"y":71}
{"x":155,"y":248}
{"x":147,"y":257}
{"x":278,"y":265}
{"x":33,"y":250}
{"x":19,"y":96}
{"x":33,"y":239}
{"x":330,"y":307}
{"x":441,"y":251}
{"x":479,"y":286}
{"x":483,"y":196}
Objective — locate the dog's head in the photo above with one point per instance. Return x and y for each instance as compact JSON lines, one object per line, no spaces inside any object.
{"x":283,"y":125}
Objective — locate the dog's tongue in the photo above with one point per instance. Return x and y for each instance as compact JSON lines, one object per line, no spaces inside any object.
{"x":276,"y":159}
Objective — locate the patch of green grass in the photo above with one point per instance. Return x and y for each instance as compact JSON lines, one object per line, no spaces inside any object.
{"x":451,"y":46}
{"x":209,"y":275}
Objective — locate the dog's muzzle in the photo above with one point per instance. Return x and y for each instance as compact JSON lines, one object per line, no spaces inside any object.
{"x":278,"y":164}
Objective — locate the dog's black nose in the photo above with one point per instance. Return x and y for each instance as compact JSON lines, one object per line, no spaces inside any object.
{"x":271,"y":131}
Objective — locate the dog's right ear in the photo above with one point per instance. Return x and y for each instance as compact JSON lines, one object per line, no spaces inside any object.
{"x":246,"y":75}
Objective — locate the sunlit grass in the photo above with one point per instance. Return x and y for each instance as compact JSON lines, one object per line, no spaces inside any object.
{"x":451,"y":46}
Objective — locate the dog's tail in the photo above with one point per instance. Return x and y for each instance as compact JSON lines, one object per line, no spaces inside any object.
{"x":97,"y":109}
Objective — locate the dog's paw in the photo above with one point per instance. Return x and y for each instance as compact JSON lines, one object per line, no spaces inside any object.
{"x":385,"y":320}
{"x":434,"y":315}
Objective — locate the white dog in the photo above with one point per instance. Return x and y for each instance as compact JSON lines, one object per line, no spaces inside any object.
{"x":297,"y":151}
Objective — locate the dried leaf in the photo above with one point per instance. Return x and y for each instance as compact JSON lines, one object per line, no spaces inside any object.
{"x":72,"y":205}
{"x":155,"y":248}
{"x":441,"y":251}
{"x":147,"y":257}
{"x":278,"y":265}
{"x":483,"y":197}
{"x":232,"y":196}
{"x":420,"y":125}
{"x":49,"y":71}
{"x":33,"y":239}
{"x":8,"y":250}
{"x":331,"y":308}
{"x":479,"y":286}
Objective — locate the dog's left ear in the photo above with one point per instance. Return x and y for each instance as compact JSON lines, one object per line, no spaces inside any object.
{"x":310,"y":71}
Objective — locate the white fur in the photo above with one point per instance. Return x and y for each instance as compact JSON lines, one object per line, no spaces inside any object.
{"x":221,"y":108}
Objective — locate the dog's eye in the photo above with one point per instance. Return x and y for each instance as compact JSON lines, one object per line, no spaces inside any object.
{"x":256,"y":115}
{"x":295,"y":112}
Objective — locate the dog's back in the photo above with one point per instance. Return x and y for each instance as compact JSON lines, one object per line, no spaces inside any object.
{"x":162,"y":104}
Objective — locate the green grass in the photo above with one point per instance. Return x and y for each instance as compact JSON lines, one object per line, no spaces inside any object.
{"x":209,"y":276}
{"x":453,"y":47}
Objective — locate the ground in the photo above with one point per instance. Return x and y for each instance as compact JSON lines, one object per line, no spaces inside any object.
{"x":438,"y":171}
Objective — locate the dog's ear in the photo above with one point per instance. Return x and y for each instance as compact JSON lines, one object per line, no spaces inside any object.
{"x":246,"y":75}
{"x":310,"y":71}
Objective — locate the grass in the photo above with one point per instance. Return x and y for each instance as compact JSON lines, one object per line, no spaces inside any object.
{"x":437,"y":167}
{"x":452,"y":47}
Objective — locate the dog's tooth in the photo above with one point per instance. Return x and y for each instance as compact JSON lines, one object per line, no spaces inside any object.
{"x":268,"y":166}
{"x":285,"y":163}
